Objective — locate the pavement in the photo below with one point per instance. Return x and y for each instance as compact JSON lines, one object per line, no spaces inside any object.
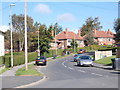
{"x":15,"y":81}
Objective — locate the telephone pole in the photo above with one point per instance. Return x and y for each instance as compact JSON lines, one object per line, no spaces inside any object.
{"x":25,"y":22}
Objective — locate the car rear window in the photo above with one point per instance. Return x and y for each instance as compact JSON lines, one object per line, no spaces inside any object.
{"x":85,"y":57}
{"x":41,"y":58}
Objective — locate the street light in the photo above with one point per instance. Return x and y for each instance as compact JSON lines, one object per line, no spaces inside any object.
{"x":74,"y":42}
{"x":38,"y":42}
{"x":11,"y":29}
{"x":25,"y":21}
{"x":55,"y":42}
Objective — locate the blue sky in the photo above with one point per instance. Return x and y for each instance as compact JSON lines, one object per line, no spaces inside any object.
{"x":71,"y":15}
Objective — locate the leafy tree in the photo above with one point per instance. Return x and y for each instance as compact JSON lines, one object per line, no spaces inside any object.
{"x":89,"y":39}
{"x":117,"y":30}
{"x":45,"y":39}
{"x":74,"y":43}
{"x":56,"y":28}
{"x":90,"y":25}
{"x":7,"y":39}
{"x":18,"y":25}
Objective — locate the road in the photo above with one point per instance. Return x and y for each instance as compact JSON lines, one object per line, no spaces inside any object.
{"x":64,"y":73}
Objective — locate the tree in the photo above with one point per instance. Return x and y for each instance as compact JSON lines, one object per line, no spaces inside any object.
{"x":87,"y":30}
{"x":18,"y":25}
{"x":7,"y":39}
{"x":89,"y":39}
{"x":56,"y":28}
{"x":117,"y":30}
{"x":90,"y":25}
{"x":45,"y":39}
{"x":74,"y":44}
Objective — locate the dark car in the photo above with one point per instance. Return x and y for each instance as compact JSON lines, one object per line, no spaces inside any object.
{"x":41,"y":60}
{"x":81,"y":51}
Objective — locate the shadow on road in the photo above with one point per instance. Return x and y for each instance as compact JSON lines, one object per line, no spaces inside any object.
{"x":115,"y":72}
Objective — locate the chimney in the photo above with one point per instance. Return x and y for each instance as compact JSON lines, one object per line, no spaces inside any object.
{"x":108,"y":31}
{"x":79,"y":33}
{"x":66,"y":30}
{"x":95,"y":31}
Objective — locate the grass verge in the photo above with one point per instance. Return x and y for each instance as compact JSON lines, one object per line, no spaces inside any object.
{"x":30,"y":72}
{"x":3,"y":70}
{"x":105,"y":61}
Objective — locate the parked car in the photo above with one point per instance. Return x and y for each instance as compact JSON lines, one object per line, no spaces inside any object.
{"x":41,"y":60}
{"x":85,"y":60}
{"x":81,"y":51}
{"x":76,"y":56}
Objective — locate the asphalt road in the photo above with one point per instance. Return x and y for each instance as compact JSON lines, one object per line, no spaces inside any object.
{"x":64,"y":73}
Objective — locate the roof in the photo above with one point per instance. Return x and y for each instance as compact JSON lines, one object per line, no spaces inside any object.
{"x":68,"y":35}
{"x":103,"y":34}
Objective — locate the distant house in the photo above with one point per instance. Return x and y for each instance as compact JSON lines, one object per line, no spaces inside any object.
{"x":2,"y":50}
{"x":104,"y":37}
{"x":66,"y":37}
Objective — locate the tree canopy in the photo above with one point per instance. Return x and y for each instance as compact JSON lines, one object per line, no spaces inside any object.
{"x":90,"y":25}
{"x":117,"y":30}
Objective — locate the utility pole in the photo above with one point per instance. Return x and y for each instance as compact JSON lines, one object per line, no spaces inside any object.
{"x":38,"y":43}
{"x":11,"y":29}
{"x":74,"y":42}
{"x":55,"y":42}
{"x":25,"y":21}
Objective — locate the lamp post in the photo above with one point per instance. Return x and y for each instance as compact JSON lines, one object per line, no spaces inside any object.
{"x":74,"y":42}
{"x":55,"y":43}
{"x":38,"y":43}
{"x":11,"y":28}
{"x":25,"y":22}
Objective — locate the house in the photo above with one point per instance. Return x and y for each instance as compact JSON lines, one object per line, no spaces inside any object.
{"x":104,"y":37}
{"x":2,"y":44}
{"x":66,"y":37}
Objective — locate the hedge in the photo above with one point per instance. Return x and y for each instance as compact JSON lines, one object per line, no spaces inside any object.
{"x":19,"y":57}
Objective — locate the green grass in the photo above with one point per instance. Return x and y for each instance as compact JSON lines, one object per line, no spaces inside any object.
{"x":106,"y":60}
{"x":3,"y":70}
{"x":31,"y":71}
{"x":62,"y":56}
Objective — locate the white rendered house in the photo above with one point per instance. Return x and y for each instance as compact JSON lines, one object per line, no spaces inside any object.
{"x":2,"y":49}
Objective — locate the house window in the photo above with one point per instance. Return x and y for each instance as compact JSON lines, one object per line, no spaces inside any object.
{"x":109,"y":39}
{"x":69,"y":40}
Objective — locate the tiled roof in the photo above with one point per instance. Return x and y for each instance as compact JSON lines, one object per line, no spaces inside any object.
{"x":68,"y":35}
{"x":103,"y":34}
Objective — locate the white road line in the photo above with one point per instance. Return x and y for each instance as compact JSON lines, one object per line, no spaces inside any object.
{"x":71,"y":68}
{"x":63,"y":63}
{"x":96,"y":74}
{"x":81,"y":71}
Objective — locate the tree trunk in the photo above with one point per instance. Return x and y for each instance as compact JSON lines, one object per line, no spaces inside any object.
{"x":118,"y":53}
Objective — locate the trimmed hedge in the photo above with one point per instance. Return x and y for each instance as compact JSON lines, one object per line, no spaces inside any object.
{"x":19,"y":57}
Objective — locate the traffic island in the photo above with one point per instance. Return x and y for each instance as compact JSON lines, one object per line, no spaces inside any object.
{"x":32,"y":71}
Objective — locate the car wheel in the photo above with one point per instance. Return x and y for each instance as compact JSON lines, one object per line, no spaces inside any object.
{"x":91,"y":65}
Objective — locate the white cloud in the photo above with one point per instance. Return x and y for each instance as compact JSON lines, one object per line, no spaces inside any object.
{"x":4,"y":28}
{"x":43,"y":9}
{"x":66,"y":17}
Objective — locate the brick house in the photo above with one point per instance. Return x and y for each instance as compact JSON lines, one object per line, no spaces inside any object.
{"x":104,"y":37}
{"x":64,"y":39}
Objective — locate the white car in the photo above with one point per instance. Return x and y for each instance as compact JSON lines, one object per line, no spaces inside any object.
{"x":85,"y":60}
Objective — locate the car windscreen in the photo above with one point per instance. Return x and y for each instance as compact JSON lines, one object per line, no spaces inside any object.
{"x":85,"y":57}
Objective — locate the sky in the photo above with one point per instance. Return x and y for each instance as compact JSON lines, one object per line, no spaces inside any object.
{"x":71,"y":15}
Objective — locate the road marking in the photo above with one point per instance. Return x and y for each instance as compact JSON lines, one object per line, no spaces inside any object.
{"x":63,"y":63}
{"x":71,"y":68}
{"x":81,"y":71}
{"x":96,"y":74}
